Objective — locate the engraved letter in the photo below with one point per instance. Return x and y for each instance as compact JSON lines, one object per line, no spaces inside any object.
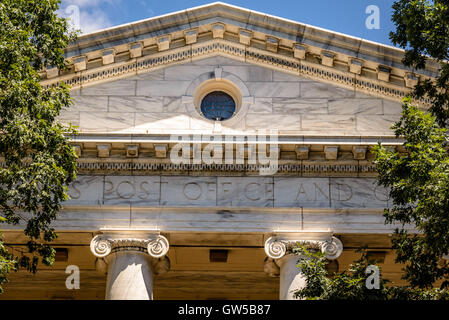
{"x":192,"y":191}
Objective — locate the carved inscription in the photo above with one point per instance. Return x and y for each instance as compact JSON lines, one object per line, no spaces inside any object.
{"x":135,"y":189}
{"x":228,"y":191}
{"x":243,"y":191}
{"x":301,"y":192}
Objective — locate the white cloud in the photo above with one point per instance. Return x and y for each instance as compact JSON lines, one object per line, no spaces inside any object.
{"x":88,"y":15}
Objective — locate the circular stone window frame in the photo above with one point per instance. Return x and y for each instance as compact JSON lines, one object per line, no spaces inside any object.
{"x":218,"y":81}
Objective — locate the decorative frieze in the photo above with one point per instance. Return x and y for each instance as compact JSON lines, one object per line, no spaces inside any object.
{"x":253,"y":55}
{"x":318,"y":168}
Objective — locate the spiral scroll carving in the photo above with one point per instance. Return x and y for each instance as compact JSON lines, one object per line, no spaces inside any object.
{"x":158,"y":247}
{"x":275,"y":249}
{"x":100,"y":247}
{"x":332,"y":248}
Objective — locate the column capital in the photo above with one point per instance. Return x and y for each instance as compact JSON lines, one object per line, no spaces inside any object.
{"x":112,"y":241}
{"x":278,"y":246}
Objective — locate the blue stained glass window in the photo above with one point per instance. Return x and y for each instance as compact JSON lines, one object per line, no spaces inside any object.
{"x":218,"y":106}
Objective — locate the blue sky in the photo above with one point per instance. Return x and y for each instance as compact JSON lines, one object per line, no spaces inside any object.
{"x":345,"y":16}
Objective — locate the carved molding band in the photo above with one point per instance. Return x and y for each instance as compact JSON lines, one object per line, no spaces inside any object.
{"x":89,"y":167}
{"x":102,"y":245}
{"x":276,"y":248}
{"x":239,"y":51}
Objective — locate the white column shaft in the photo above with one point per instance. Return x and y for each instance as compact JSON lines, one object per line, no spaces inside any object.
{"x":292,"y":278}
{"x":130,"y":277}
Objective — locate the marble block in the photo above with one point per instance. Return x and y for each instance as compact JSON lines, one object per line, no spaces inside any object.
{"x":326,"y":123}
{"x":106,"y":121}
{"x":115,"y":88}
{"x":135,"y":190}
{"x":135,"y":104}
{"x":274,"y":89}
{"x":355,"y":106}
{"x":245,"y":191}
{"x":301,"y":192}
{"x":261,"y":105}
{"x":305,"y":106}
{"x":357,"y":193}
{"x":324,"y":90}
{"x":188,"y":191}
{"x":259,"y":121}
{"x":86,"y":190}
{"x":90,"y":103}
{"x":161,"y":88}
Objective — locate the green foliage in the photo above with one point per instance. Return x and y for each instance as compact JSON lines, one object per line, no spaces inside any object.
{"x":348,"y":285}
{"x":418,"y":181}
{"x":351,"y":284}
{"x":38,"y":161}
{"x":422,"y":27}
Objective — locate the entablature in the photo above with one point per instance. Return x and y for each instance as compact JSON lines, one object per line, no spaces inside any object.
{"x":174,"y":155}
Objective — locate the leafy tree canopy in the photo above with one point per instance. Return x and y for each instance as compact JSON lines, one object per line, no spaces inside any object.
{"x":422,"y":28}
{"x":419,"y":179}
{"x":37,"y":161}
{"x":351,"y":284}
{"x":419,"y":189}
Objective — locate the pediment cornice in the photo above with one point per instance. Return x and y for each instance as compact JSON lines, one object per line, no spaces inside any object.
{"x":241,"y":34}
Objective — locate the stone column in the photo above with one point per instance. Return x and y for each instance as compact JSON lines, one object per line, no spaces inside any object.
{"x":130,"y":263}
{"x":281,"y":261}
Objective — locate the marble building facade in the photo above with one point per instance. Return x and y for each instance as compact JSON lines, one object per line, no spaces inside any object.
{"x":141,"y":226}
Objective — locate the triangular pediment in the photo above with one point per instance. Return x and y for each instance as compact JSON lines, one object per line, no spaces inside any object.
{"x":161,"y":102}
{"x":293,"y":77}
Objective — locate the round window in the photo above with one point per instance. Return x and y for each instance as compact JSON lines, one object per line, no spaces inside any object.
{"x":218,"y":106}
